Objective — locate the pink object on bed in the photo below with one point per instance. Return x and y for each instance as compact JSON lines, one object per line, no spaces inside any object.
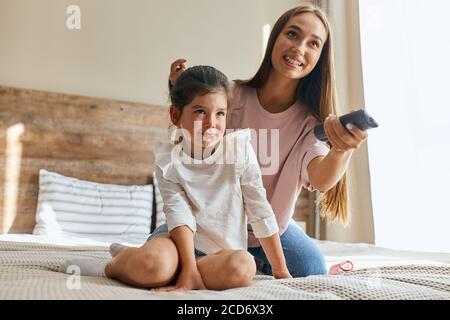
{"x":341,"y":267}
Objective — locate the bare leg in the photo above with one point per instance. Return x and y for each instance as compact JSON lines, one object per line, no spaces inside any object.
{"x":227,"y":269}
{"x":155,"y":264}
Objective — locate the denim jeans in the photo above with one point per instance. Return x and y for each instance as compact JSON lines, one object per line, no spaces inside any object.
{"x":163,"y":230}
{"x":303,"y":257}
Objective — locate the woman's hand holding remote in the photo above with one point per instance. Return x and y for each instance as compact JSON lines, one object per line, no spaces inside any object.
{"x":343,"y":139}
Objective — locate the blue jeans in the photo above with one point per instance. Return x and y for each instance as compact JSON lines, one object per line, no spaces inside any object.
{"x":303,"y":257}
{"x":163,"y":230}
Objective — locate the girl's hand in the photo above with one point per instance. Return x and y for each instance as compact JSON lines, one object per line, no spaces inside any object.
{"x":281,"y":274}
{"x":176,"y":68}
{"x":343,"y":139}
{"x":189,"y":279}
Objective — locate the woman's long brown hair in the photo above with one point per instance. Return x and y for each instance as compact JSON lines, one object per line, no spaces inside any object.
{"x":318,"y":92}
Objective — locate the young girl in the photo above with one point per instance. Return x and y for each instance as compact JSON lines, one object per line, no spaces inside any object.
{"x":292,"y":91}
{"x":210,"y":185}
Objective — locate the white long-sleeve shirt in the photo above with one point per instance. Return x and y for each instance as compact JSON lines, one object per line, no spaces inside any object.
{"x":214,"y":197}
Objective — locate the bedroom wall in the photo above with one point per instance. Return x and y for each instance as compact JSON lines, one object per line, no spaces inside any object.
{"x":124,"y":48}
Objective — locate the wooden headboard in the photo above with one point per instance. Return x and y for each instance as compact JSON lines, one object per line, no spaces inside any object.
{"x":87,"y":138}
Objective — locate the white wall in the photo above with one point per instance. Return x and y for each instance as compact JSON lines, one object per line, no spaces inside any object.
{"x":124,"y":48}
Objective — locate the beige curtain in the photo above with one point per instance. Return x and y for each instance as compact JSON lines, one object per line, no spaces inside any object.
{"x":344,"y":16}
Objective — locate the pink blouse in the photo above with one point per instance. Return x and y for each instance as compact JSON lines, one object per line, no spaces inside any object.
{"x":284,"y":144}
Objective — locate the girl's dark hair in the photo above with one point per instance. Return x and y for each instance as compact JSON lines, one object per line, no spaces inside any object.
{"x":197,"y":80}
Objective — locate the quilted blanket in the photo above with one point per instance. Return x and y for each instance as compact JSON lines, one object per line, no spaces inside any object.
{"x":29,"y":271}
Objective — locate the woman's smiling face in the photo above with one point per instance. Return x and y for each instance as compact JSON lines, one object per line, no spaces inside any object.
{"x":299,"y":46}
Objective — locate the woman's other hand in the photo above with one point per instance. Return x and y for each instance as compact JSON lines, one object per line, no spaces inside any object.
{"x":176,"y":68}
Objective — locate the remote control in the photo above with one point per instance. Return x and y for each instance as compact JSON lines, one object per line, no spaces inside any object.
{"x":360,"y":119}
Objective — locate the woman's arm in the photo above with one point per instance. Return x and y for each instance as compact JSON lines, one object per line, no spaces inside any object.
{"x":325,"y":172}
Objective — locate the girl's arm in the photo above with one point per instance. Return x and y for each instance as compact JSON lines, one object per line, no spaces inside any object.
{"x":189,"y":277}
{"x":274,"y":252}
{"x":260,"y":214}
{"x":325,"y":172}
{"x":182,"y":226}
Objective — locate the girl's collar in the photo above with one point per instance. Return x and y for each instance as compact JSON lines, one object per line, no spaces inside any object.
{"x":186,"y":157}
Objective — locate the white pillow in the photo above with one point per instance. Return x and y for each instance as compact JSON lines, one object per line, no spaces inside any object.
{"x":104,"y":212}
{"x":160,"y":216}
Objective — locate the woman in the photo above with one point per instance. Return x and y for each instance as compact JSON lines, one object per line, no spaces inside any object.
{"x":291,"y":92}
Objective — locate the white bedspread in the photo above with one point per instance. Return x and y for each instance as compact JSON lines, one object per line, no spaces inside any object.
{"x":362,"y":255}
{"x":28,"y":270}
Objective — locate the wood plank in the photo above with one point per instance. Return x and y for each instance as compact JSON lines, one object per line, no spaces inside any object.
{"x":64,"y":145}
{"x":91,"y":139}
{"x":22,"y":224}
{"x":82,"y":124}
{"x":98,"y":171}
{"x":71,"y":107}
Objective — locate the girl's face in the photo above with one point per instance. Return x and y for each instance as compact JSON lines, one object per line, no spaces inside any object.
{"x":204,"y":119}
{"x":299,"y":46}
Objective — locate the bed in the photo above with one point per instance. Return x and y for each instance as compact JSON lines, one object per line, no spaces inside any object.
{"x":29,"y":263}
{"x":111,"y":142}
